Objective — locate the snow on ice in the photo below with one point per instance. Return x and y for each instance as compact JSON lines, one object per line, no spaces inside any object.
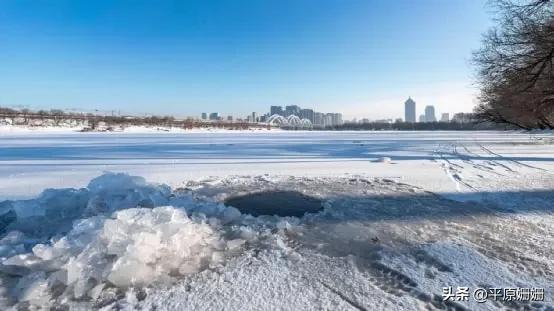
{"x":383,"y":240}
{"x":134,"y":244}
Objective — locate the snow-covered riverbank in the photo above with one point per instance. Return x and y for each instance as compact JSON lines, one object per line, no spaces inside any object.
{"x":47,"y":130}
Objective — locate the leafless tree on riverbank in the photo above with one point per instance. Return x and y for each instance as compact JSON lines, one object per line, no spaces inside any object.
{"x":516,"y":71}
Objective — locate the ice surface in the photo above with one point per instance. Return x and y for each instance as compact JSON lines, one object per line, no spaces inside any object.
{"x":383,"y":160}
{"x":374,"y":240}
{"x":33,"y":161}
{"x":382,"y":240}
{"x":378,"y":244}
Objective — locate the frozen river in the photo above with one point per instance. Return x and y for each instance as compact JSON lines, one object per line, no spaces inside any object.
{"x":396,"y":218}
{"x":33,"y":161}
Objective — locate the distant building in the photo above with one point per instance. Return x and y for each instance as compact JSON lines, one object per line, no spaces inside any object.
{"x":422,"y":118}
{"x":383,"y":121}
{"x":328,"y":119}
{"x":214,"y":116}
{"x":365,"y":121}
{"x":336,"y":119}
{"x":430,"y":114}
{"x":410,"y":110}
{"x":318,"y":119}
{"x":398,"y":120}
{"x":254,"y":117}
{"x":277,"y":110}
{"x":204,"y":116}
{"x":307,"y":114}
{"x":229,"y":118}
{"x":445,"y":117}
{"x":292,"y":110}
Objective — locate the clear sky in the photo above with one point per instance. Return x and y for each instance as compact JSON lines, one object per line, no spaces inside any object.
{"x":362,"y":58}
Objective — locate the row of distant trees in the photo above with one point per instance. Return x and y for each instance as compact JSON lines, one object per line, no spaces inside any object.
{"x":57,"y":117}
{"x":515,"y":65}
{"x":421,"y":126}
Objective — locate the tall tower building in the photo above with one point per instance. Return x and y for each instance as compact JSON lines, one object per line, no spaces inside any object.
{"x":410,"y":110}
{"x":430,"y":114}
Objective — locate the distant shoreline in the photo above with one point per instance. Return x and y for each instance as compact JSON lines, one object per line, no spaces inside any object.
{"x":19,"y":129}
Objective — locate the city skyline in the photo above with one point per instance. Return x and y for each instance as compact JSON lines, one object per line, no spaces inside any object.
{"x":282,"y":115}
{"x":180,"y":58}
{"x":308,"y":113}
{"x":429,"y":114}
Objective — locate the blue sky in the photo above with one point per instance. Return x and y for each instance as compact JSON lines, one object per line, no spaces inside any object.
{"x":362,"y":58}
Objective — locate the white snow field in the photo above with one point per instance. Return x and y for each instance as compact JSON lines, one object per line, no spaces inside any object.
{"x":137,"y":220}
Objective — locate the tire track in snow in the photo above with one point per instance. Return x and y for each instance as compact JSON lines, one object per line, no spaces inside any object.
{"x":495,"y":162}
{"x":455,"y":171}
{"x":478,"y":166}
{"x":508,"y":159}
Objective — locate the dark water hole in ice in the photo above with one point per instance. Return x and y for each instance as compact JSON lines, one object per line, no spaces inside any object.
{"x":280,"y":203}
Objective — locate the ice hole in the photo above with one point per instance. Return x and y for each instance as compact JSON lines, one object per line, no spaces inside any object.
{"x":280,"y":203}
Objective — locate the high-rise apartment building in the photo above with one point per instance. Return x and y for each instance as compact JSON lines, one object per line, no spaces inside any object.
{"x":307,"y":114}
{"x":277,"y":110}
{"x":336,"y":119}
{"x":410,"y":110}
{"x":318,"y":119}
{"x":328,"y":120}
{"x":292,"y":110}
{"x":430,"y":114}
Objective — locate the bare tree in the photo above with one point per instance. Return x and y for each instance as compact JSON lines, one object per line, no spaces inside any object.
{"x":516,"y":65}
